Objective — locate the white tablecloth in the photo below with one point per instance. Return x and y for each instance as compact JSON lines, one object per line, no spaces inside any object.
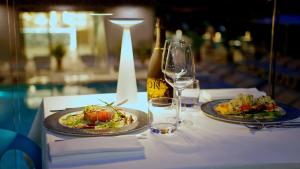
{"x":207,"y":144}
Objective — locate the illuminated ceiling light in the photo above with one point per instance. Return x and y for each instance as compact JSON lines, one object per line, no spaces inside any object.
{"x":126,"y":88}
{"x":101,"y":14}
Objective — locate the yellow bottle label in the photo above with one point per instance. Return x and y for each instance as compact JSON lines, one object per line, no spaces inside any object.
{"x":156,"y":87}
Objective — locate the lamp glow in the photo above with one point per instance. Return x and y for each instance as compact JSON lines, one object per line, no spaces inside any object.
{"x":126,"y":88}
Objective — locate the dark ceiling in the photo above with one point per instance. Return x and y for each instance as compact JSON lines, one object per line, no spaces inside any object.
{"x":176,"y":11}
{"x":213,"y":8}
{"x":181,"y":6}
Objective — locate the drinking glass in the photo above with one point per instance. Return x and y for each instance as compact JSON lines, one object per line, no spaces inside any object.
{"x":178,"y":67}
{"x":163,"y":114}
{"x":191,"y":94}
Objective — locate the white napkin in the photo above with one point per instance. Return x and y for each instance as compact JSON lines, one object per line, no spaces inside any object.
{"x":98,"y":150}
{"x":212,"y":94}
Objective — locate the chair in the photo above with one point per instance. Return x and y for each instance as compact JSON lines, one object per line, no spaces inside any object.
{"x":11,"y":140}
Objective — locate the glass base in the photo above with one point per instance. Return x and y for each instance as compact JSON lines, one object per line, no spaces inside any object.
{"x":162,"y":128}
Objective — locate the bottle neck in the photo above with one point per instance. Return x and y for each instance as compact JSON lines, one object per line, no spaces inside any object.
{"x":160,"y":37}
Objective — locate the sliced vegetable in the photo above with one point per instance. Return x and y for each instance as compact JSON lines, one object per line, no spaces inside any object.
{"x":244,"y":106}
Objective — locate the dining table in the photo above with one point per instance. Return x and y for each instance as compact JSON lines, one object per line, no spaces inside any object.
{"x":205,"y":144}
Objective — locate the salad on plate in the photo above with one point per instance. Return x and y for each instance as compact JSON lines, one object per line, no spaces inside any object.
{"x":98,"y":117}
{"x":244,"y":106}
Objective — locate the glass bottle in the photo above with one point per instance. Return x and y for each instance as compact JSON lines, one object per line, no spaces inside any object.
{"x":156,"y":84}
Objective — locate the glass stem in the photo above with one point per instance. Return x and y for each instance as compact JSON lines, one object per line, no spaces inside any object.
{"x":179,"y":106}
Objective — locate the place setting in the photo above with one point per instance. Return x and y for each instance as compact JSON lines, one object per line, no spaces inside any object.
{"x":96,"y":134}
{"x":113,"y":124}
{"x":248,"y":107}
{"x":97,"y":120}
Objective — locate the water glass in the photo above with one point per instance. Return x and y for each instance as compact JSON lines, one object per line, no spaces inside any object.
{"x":163,"y":115}
{"x":190,"y":95}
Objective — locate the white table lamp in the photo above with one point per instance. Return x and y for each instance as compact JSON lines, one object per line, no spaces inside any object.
{"x":127,"y":87}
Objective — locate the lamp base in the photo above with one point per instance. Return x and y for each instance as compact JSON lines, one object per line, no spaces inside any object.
{"x":127,"y":87}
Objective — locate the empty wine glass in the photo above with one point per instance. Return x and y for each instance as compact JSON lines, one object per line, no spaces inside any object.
{"x":178,"y":67}
{"x":164,"y":54}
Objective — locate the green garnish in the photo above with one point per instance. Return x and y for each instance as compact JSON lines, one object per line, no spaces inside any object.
{"x":110,"y":105}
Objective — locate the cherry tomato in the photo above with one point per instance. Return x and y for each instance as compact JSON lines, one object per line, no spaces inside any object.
{"x":245,"y":107}
{"x":271,"y":107}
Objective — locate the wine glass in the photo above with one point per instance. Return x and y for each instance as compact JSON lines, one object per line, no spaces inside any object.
{"x":178,"y":67}
{"x":164,"y":54}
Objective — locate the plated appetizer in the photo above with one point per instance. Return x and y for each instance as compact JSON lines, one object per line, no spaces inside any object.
{"x":246,"y":107}
{"x":98,"y":118}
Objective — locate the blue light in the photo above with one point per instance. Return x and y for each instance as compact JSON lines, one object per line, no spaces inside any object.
{"x":4,"y":94}
{"x":283,"y":19}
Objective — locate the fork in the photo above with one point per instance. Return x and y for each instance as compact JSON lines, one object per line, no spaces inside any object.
{"x":259,"y":125}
